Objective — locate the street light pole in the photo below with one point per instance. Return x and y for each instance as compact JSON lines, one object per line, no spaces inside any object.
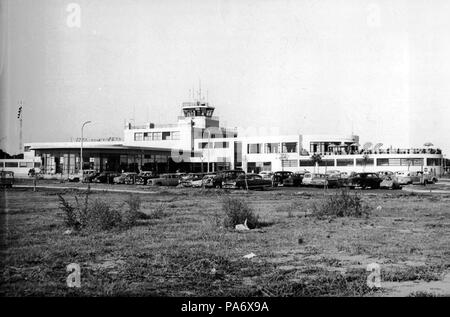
{"x":81,"y":150}
{"x":209,"y":141}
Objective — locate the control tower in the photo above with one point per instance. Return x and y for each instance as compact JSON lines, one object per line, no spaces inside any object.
{"x":200,"y":113}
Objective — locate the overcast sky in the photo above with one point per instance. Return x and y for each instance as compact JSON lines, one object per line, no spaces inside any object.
{"x":379,"y":68}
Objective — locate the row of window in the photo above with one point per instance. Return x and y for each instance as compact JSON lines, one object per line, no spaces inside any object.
{"x":364,"y":162}
{"x":157,"y":136}
{"x":20,"y":164}
{"x":215,"y":145}
{"x":286,"y":147}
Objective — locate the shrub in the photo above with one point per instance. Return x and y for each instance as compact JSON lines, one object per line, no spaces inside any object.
{"x":341,"y":204}
{"x":102,"y":217}
{"x":158,"y":212}
{"x":99,"y":215}
{"x":133,"y":213}
{"x":237,"y":211}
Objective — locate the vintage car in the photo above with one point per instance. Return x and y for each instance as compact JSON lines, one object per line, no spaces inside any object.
{"x":364,"y":180}
{"x":6,"y":179}
{"x":320,"y":180}
{"x":188,"y":179}
{"x":143,"y":177}
{"x":211,"y":181}
{"x":224,"y":176}
{"x":385,"y":174}
{"x":266,"y":175}
{"x":408,"y":177}
{"x":105,"y":177}
{"x":87,"y":176}
{"x":390,"y":182}
{"x":295,"y":179}
{"x":248,"y":181}
{"x":279,"y":177}
{"x":125,"y":178}
{"x":169,"y":179}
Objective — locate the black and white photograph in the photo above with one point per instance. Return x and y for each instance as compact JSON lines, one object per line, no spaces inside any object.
{"x":224,"y":149}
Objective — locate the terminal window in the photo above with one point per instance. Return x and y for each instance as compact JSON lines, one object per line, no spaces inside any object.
{"x":221,"y":145}
{"x":289,"y":147}
{"x":344,"y":162}
{"x":307,"y":163}
{"x":166,"y":135}
{"x":326,"y":163}
{"x":139,"y":136}
{"x":433,"y":161}
{"x":361,"y":162}
{"x":272,"y":147}
{"x":254,"y":148}
{"x":289,"y":163}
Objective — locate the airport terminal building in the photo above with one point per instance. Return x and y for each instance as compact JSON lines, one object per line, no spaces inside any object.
{"x":198,"y":143}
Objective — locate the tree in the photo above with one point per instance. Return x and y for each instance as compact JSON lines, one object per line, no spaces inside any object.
{"x":316,"y":158}
{"x":365,"y":159}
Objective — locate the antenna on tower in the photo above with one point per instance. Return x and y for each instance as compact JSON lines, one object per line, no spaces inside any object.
{"x":19,"y":116}
{"x":199,"y":89}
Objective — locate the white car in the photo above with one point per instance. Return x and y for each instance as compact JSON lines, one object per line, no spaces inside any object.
{"x":266,"y":174}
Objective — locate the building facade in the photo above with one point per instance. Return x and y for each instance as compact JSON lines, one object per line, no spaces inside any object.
{"x":198,"y":143}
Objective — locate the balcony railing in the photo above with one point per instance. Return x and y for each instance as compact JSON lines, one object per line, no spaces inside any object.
{"x":379,"y":151}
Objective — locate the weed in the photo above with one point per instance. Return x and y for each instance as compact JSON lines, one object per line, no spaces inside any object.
{"x":341,"y":204}
{"x":237,"y":211}
{"x":133,"y":213}
{"x":158,"y":212}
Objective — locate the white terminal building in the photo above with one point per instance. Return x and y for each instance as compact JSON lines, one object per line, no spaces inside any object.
{"x":198,"y":143}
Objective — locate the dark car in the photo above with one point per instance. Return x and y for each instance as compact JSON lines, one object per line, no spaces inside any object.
{"x":365,"y":180}
{"x":279,"y":177}
{"x":225,"y":176}
{"x":248,"y":181}
{"x":105,"y":177}
{"x":295,"y":179}
{"x":89,"y":178}
{"x":6,"y":179}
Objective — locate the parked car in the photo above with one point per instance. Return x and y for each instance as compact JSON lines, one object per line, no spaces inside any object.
{"x":390,"y":182}
{"x":169,"y":179}
{"x":385,"y":174}
{"x":143,"y":177}
{"x":105,"y":177}
{"x":124,"y":177}
{"x":279,"y":177}
{"x":407,"y":177}
{"x":365,"y":180}
{"x":295,"y":179}
{"x":320,"y":180}
{"x":266,"y":175}
{"x":248,"y":181}
{"x":211,"y":181}
{"x":6,"y":179}
{"x":429,"y":178}
{"x":225,"y":176}
{"x":87,"y":174}
{"x":131,"y":178}
{"x":187,"y":180}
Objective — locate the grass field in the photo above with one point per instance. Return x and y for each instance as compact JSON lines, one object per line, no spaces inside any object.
{"x":186,"y":251}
